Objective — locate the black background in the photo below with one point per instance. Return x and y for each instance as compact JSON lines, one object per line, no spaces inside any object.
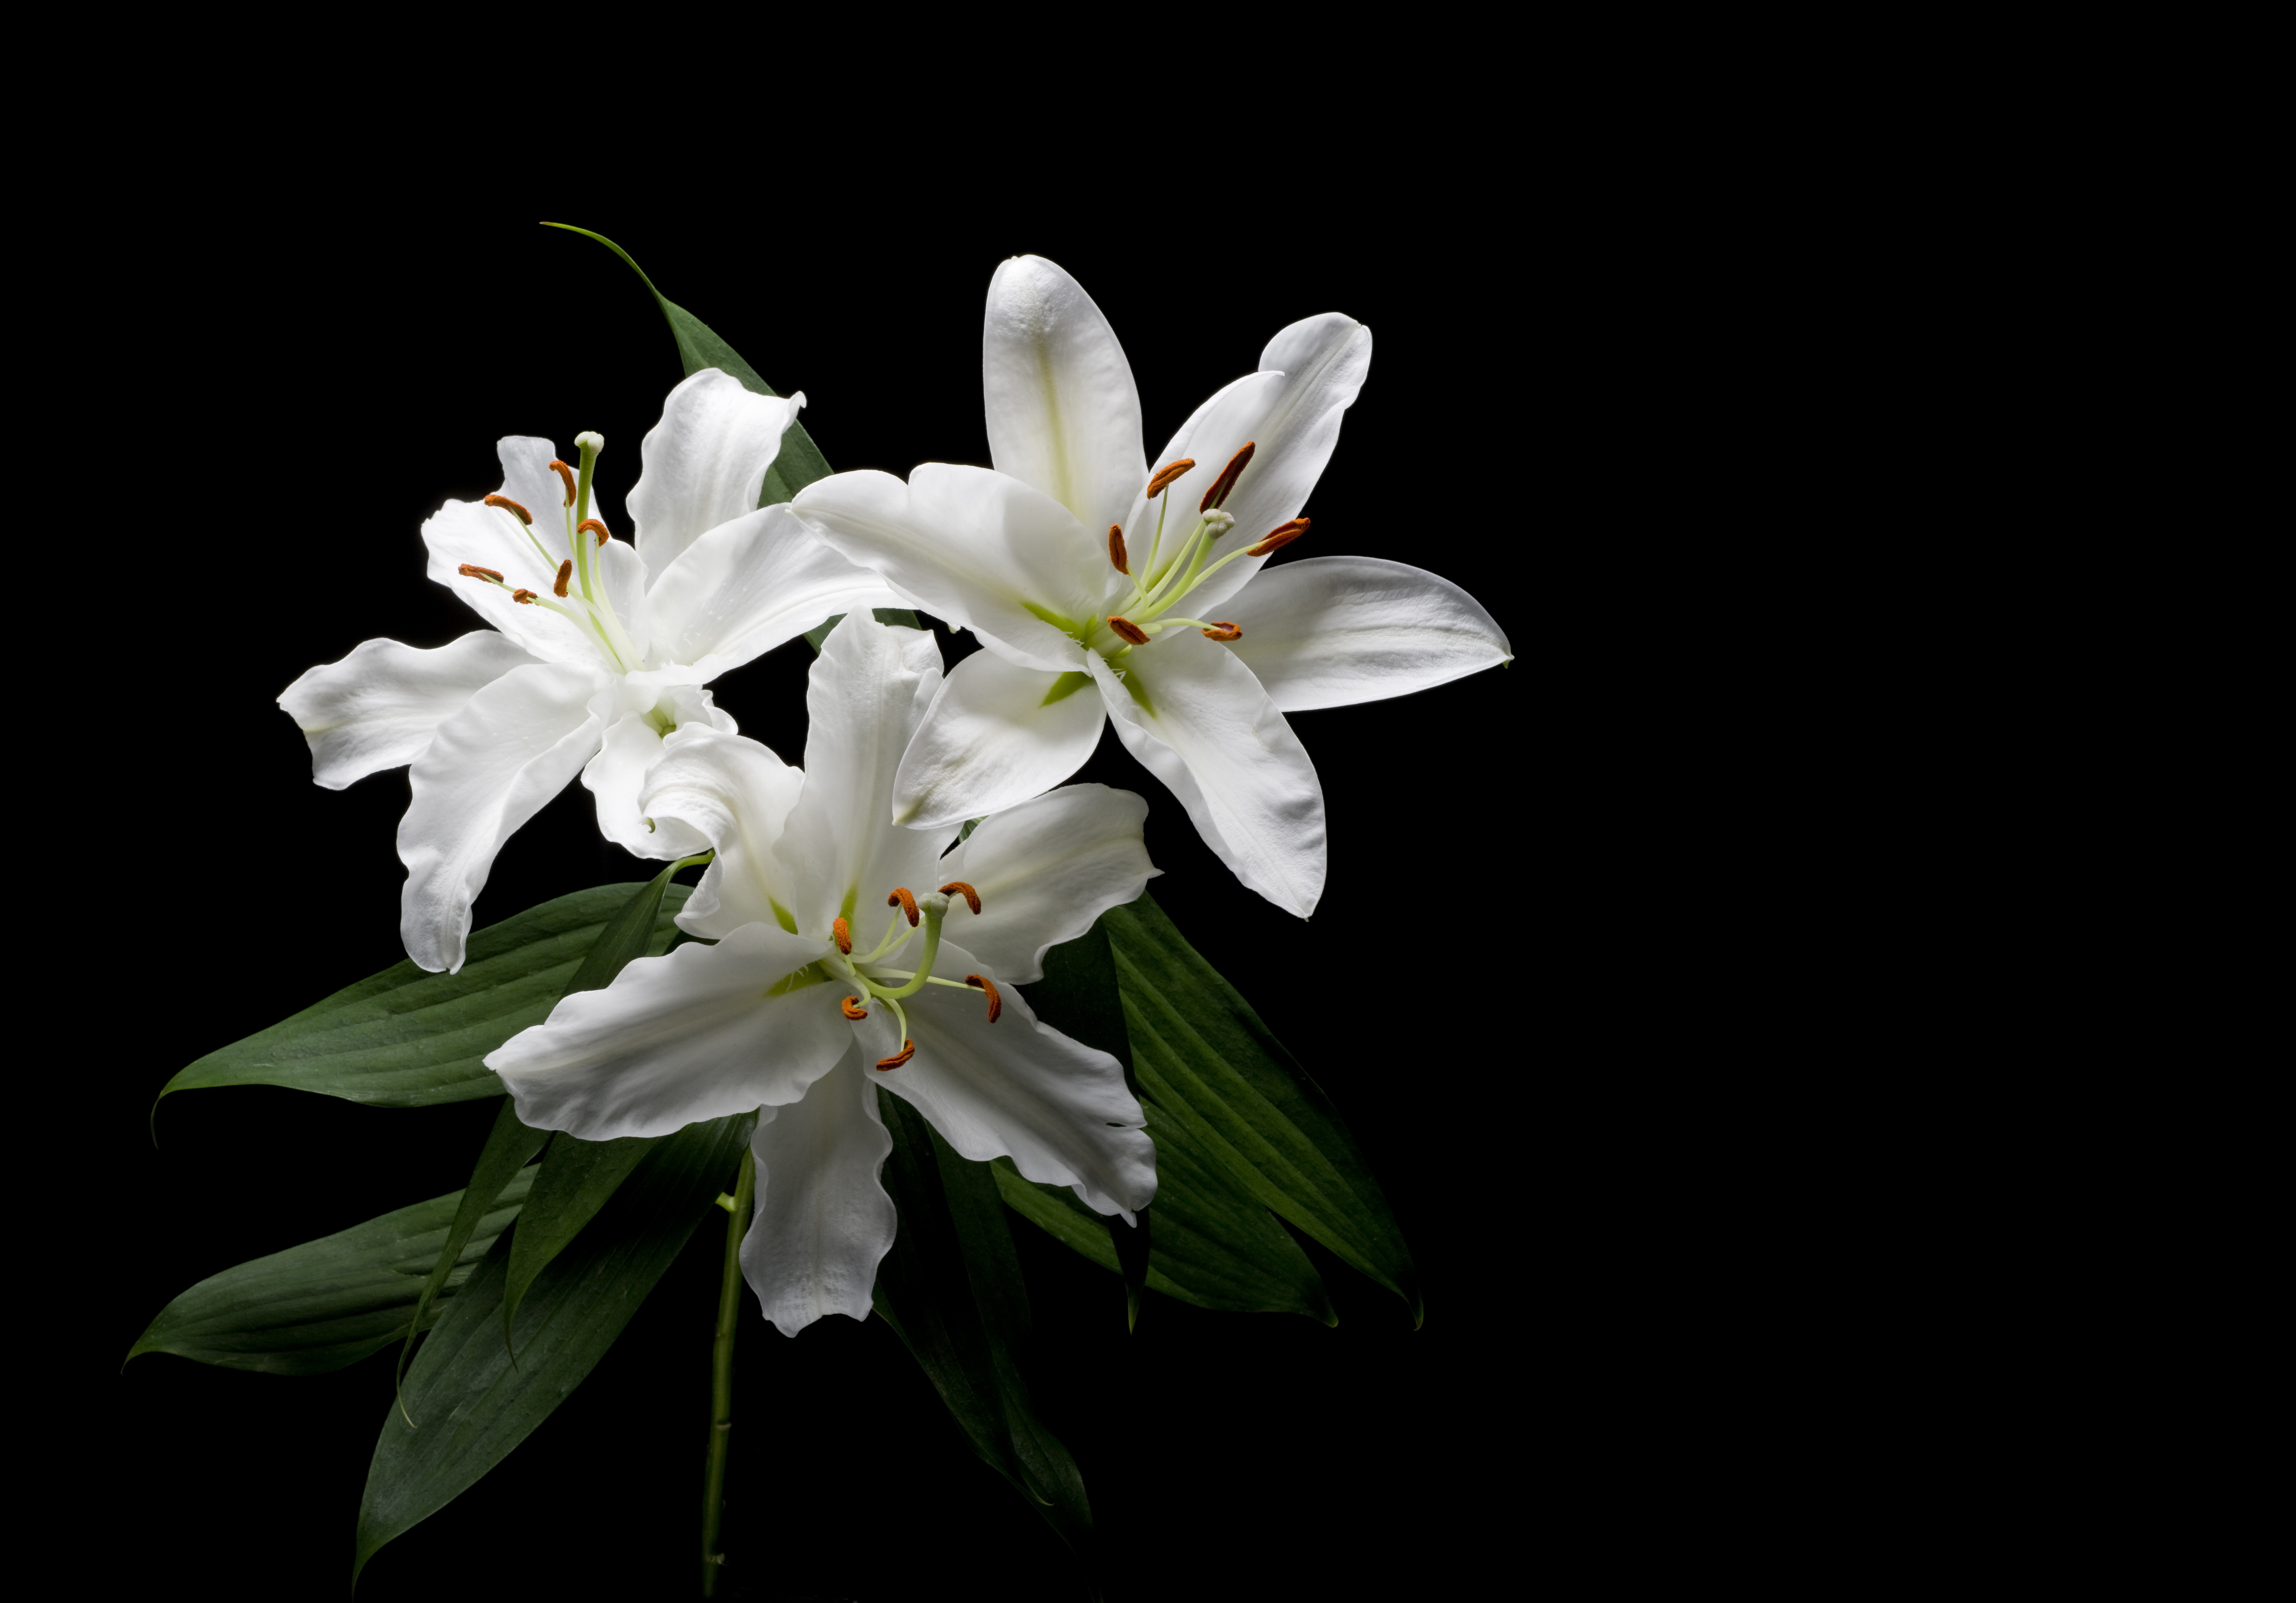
{"x":336,"y":379}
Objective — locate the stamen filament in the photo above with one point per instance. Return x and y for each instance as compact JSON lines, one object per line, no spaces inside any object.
{"x":934,"y":911}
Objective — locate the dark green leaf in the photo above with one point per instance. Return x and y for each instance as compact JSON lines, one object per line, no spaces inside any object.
{"x":1081,"y":996}
{"x":331,"y":1302}
{"x":801,"y":461}
{"x":951,"y":1288}
{"x":475,"y":1405}
{"x":408,"y":1039}
{"x":901,"y":616}
{"x":1131,"y":1244}
{"x":1213,"y":1244}
{"x":577,"y":1176}
{"x":502,"y":1159}
{"x":1205,"y":1058}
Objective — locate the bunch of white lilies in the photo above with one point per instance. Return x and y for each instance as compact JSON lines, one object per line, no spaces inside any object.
{"x":847,"y":937}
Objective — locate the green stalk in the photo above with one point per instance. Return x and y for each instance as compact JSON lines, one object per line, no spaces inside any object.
{"x":721,"y":1376}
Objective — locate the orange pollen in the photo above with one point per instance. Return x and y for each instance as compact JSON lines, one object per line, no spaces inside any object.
{"x":996,"y":1002}
{"x":508,"y":504}
{"x":853,"y":1012}
{"x":844,"y":932}
{"x":1216,"y":496}
{"x":1124,"y":628}
{"x":565,"y":572}
{"x":523,"y":597}
{"x":1275,"y":538}
{"x":908,"y":1050}
{"x":1223,"y":631}
{"x":1116,"y":548}
{"x":592,"y":524}
{"x":1165,"y":474}
{"x":473,"y":570}
{"x":901,"y":899}
{"x":567,"y":473}
{"x":972,"y":897}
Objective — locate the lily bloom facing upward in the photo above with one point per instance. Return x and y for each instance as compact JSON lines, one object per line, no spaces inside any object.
{"x":600,"y":646}
{"x":851,"y":954}
{"x":1100,"y":591}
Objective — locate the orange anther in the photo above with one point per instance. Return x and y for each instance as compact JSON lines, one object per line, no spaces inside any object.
{"x":901,"y":899}
{"x":1216,"y":496}
{"x":1165,"y":474}
{"x":1116,"y":548}
{"x":996,"y":1002}
{"x":1124,"y":630}
{"x":565,"y":572}
{"x":592,"y":524}
{"x":508,"y":504}
{"x":908,"y":1050}
{"x":523,"y":597}
{"x":1223,"y":631}
{"x":844,"y":932}
{"x":567,"y":473}
{"x":1275,"y":538}
{"x":851,"y":1011}
{"x":473,"y":570}
{"x":972,"y":897}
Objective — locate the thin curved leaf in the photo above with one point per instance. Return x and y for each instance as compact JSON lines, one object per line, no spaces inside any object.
{"x":408,"y":1039}
{"x":476,"y":1404}
{"x":331,"y":1302}
{"x":1205,"y":1058}
{"x":502,"y":1159}
{"x":577,"y":1179}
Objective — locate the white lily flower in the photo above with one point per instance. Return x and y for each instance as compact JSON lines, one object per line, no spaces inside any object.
{"x":831,"y":975}
{"x":1100,"y":592}
{"x":599,"y":647}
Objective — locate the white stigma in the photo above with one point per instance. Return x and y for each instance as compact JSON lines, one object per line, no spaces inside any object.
{"x":1217,"y":523}
{"x":589,"y":440}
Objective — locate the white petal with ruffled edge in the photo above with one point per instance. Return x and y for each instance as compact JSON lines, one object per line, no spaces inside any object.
{"x":631,"y":746}
{"x":824,"y":1221}
{"x":1013,"y":1089}
{"x":863,"y":699}
{"x":1044,"y":870}
{"x":736,"y":796}
{"x":379,"y":707}
{"x":697,"y":1034}
{"x":704,"y":463}
{"x":750,"y":584}
{"x":528,"y":557}
{"x":995,"y":735}
{"x":976,"y":547}
{"x":1063,"y":413}
{"x":489,"y":770}
{"x":1331,"y":631}
{"x":1202,"y":725}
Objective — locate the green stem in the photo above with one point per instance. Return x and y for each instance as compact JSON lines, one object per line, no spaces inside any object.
{"x":721,"y":1376}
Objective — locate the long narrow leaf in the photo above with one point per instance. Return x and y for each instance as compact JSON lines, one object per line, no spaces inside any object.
{"x":331,"y":1302}
{"x":408,"y":1039}
{"x":1204,"y":1057}
{"x":1213,"y":1244}
{"x":475,"y":1405}
{"x":502,"y":1160}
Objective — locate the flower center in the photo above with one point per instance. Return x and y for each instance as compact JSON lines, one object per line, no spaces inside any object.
{"x":874,"y":976}
{"x":1164,"y":581}
{"x":575,"y":583}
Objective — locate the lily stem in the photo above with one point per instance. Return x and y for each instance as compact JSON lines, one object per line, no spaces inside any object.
{"x":721,"y":1376}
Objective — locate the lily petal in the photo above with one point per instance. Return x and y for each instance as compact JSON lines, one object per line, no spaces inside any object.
{"x":750,"y":585}
{"x":736,"y":796}
{"x":379,"y":707}
{"x":695,"y":1035}
{"x":527,"y":556}
{"x":863,"y":699}
{"x":823,"y":1221}
{"x":487,"y":771}
{"x":1045,"y":870}
{"x":1063,"y":413}
{"x":973,"y":547}
{"x":1197,"y":720}
{"x":617,"y":775}
{"x":704,"y":463}
{"x":1016,"y":1088}
{"x":1330,"y":631}
{"x":996,"y":735}
{"x":1323,"y":361}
